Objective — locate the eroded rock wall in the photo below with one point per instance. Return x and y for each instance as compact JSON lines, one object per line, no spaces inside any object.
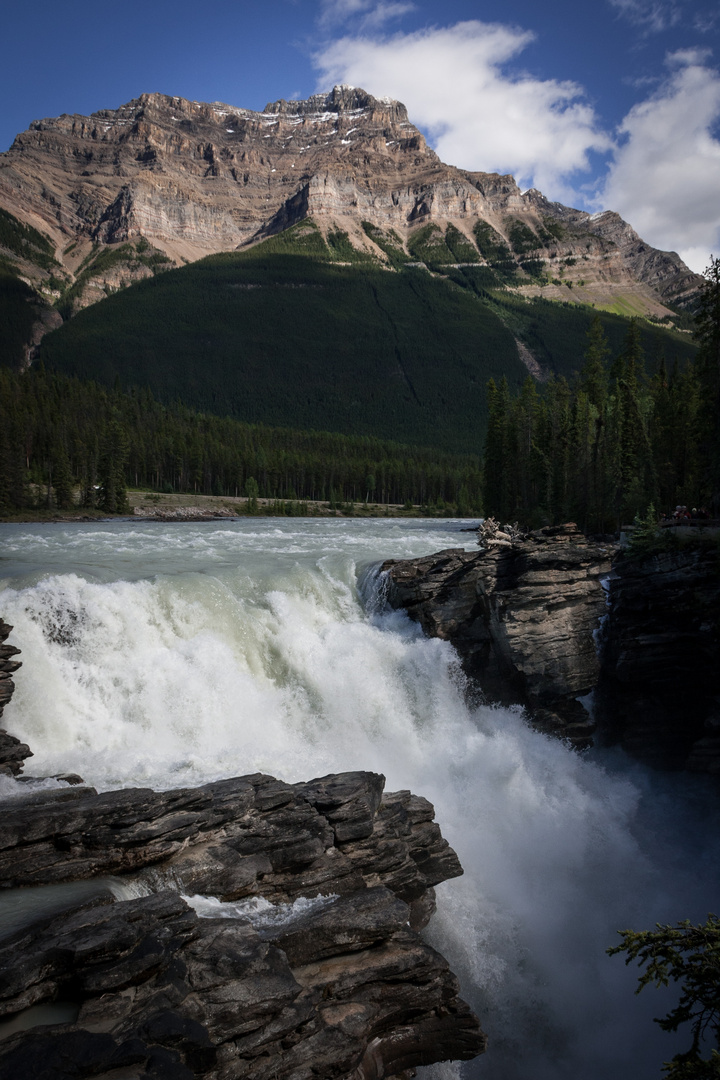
{"x":191,"y":178}
{"x":340,"y":987}
{"x":522,"y":616}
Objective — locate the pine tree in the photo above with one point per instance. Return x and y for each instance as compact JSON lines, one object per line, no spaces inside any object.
{"x":593,"y":377}
{"x":708,"y":366}
{"x":497,"y":451}
{"x":252,"y":492}
{"x":113,"y":490}
{"x":688,"y":955}
{"x":63,"y":479}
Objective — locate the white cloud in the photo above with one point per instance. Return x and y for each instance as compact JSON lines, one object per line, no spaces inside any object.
{"x":651,"y":15}
{"x":665,"y":177}
{"x":479,"y":116}
{"x":369,"y":14}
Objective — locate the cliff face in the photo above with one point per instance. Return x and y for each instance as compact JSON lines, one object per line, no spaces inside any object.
{"x":522,"y":617}
{"x":661,"y":661}
{"x":525,"y":618}
{"x":192,"y":178}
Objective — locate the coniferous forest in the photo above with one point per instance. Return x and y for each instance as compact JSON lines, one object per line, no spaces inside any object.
{"x":625,"y":432}
{"x":65,"y":442}
{"x":602,"y":449}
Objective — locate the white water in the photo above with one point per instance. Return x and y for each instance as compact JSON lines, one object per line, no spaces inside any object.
{"x":167,"y":655}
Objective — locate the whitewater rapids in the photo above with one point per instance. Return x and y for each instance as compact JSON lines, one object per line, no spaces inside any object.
{"x":168,"y":655}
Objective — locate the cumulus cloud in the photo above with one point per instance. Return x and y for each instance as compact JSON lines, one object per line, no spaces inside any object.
{"x":665,"y":176}
{"x":479,"y":115}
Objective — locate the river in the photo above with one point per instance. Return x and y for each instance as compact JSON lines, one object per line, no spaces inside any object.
{"x":167,"y":655}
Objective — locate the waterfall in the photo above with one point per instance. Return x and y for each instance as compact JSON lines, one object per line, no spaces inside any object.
{"x":171,"y":655}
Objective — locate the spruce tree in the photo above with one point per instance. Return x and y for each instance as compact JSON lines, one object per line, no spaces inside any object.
{"x":113,"y":489}
{"x":708,"y":366}
{"x":497,"y":451}
{"x":62,"y":478}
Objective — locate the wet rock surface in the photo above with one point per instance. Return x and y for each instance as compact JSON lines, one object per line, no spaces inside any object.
{"x":342,"y":987}
{"x":13,"y":752}
{"x":522,"y":614}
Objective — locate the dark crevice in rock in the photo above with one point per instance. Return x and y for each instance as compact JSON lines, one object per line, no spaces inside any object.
{"x":660,"y":690}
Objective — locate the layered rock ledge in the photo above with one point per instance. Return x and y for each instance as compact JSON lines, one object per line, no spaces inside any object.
{"x":525,"y":614}
{"x":522,"y":614}
{"x":333,"y":981}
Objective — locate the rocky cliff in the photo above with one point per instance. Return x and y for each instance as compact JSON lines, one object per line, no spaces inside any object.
{"x":660,"y":691}
{"x":190,"y":178}
{"x":246,"y":928}
{"x":530,"y":620}
{"x":12,"y":752}
{"x":522,"y":614}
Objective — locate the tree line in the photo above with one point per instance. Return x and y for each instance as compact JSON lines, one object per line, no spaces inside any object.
{"x":66,"y":442}
{"x":603,"y":447}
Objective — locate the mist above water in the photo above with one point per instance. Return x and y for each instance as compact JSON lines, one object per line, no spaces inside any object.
{"x":170,"y":655}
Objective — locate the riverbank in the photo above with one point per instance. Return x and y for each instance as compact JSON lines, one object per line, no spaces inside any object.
{"x":152,"y":505}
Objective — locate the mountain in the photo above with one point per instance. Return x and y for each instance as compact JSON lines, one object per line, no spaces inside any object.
{"x":163,"y":181}
{"x":314,"y":265}
{"x":307,"y":332}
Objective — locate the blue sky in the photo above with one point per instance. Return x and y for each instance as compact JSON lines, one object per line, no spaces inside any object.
{"x":609,"y":105}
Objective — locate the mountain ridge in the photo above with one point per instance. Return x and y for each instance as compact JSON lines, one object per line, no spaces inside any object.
{"x":193,"y":178}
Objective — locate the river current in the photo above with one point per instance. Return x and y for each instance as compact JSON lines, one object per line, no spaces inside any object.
{"x":167,"y":655}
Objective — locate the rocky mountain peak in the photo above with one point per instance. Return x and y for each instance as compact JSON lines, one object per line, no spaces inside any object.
{"x":190,"y":178}
{"x":341,"y":100}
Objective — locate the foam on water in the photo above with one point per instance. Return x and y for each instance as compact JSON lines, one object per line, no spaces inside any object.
{"x":257,"y":910}
{"x":169,"y":656}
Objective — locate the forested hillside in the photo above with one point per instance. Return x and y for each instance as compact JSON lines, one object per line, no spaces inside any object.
{"x":64,"y":442}
{"x":617,"y":440}
{"x":303,"y":333}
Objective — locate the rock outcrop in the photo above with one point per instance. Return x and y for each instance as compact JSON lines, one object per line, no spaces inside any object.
{"x":525,"y":616}
{"x":522,"y":614}
{"x":12,"y":752}
{"x":660,"y":692}
{"x":336,"y":984}
{"x":189,"y":178}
